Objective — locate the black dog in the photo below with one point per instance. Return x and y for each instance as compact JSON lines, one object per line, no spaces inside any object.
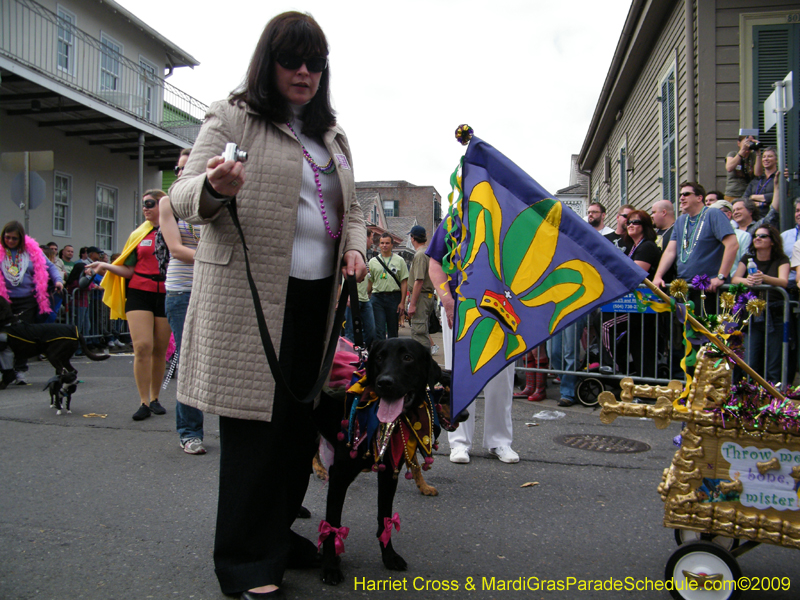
{"x":62,"y":387}
{"x":380,"y":429}
{"x":26,"y":340}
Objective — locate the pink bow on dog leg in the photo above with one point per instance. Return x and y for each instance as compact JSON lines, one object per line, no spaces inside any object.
{"x":326,"y":529}
{"x":387,"y":528}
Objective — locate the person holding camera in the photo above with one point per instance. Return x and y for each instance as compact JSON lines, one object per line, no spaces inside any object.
{"x":740,"y":167}
{"x":134,"y":290}
{"x":296,"y":205}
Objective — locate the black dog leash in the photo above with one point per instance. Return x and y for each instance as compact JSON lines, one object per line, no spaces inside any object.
{"x":266,"y":340}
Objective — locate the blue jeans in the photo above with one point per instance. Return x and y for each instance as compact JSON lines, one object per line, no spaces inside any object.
{"x":564,"y":351}
{"x":84,"y":324}
{"x":367,"y":322}
{"x":764,"y":346}
{"x":188,"y":419}
{"x":384,"y":308}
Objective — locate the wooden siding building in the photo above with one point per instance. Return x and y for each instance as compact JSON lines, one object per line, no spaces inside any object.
{"x":685,"y":77}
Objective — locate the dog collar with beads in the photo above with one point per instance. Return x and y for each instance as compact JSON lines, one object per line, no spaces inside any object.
{"x":416,"y":429}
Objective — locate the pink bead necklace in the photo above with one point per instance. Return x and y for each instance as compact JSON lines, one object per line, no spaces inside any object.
{"x":327,"y":170}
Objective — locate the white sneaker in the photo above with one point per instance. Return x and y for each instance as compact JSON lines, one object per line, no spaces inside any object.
{"x":459,"y":455}
{"x":504,"y":453}
{"x":193,"y":446}
{"x":434,"y":349}
{"x":21,"y":378}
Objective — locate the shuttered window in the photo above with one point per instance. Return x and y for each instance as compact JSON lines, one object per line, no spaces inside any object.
{"x":669,"y":137}
{"x":391,"y":208}
{"x":776,"y":51}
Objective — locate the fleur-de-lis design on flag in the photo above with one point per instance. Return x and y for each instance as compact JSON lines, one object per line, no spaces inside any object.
{"x":526,"y":267}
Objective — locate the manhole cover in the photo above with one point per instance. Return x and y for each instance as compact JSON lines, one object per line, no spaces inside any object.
{"x":602,"y":443}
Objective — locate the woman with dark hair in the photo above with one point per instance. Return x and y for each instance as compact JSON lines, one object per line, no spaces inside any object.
{"x":639,"y":242}
{"x":766,"y":330}
{"x":27,"y":272}
{"x":640,"y":245}
{"x":134,"y":291}
{"x":301,"y":222}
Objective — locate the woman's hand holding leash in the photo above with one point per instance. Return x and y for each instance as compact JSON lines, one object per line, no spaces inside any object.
{"x":354,"y":265}
{"x":226,"y":177}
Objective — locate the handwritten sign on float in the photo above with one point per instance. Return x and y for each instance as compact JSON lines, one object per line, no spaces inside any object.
{"x":775,"y":488}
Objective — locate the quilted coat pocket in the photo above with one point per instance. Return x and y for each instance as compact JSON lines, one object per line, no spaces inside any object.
{"x":214,"y":253}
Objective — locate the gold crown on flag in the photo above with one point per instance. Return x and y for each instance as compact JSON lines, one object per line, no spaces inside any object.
{"x":499,"y":305}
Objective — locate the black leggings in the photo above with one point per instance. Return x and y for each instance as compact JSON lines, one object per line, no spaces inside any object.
{"x":265,"y":466}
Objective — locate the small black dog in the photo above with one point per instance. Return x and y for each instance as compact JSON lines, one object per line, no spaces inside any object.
{"x":381,"y":429}
{"x":26,"y":340}
{"x":62,"y":387}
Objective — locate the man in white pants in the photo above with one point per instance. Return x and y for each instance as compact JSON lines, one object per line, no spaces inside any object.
{"x":498,"y":393}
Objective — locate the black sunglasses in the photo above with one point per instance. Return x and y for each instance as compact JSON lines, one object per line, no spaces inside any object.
{"x":314,"y":64}
{"x":634,"y":222}
{"x":178,"y":170}
{"x":761,"y":236}
{"x":686,"y":194}
{"x":149,"y":203}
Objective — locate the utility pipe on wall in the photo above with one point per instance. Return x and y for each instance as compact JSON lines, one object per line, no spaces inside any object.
{"x":691,"y":103}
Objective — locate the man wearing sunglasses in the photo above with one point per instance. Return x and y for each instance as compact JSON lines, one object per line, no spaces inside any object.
{"x":183,"y":158}
{"x":703,"y":242}
{"x":622,"y":224}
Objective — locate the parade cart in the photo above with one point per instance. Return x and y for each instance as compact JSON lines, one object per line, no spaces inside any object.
{"x":733,"y":483}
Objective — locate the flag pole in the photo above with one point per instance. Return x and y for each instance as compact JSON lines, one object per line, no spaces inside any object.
{"x":698,"y":326}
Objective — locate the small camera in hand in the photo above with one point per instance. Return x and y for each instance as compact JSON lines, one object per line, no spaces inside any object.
{"x":234,"y":153}
{"x":756,"y":146}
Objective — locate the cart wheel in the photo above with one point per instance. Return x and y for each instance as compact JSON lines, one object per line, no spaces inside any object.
{"x":588,"y":391}
{"x":712,"y":568}
{"x":682,"y":536}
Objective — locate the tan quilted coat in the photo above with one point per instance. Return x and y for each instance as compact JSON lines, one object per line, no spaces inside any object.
{"x":223,"y":369}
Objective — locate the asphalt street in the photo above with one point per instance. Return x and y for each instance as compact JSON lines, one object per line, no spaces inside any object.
{"x":95,"y":505}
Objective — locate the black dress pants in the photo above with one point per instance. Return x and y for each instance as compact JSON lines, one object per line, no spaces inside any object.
{"x":265,"y":466}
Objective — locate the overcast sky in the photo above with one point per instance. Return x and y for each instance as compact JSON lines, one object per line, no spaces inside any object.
{"x":526,"y":75}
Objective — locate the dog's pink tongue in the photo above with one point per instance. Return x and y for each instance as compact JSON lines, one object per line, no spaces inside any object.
{"x":389,"y":410}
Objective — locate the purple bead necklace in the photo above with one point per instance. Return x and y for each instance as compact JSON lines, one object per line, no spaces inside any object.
{"x":327,"y":170}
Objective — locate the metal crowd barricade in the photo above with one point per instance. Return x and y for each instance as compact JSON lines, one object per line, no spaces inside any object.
{"x":85,"y":309}
{"x":620,"y":342}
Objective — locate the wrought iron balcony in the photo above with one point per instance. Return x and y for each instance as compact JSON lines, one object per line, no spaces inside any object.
{"x":52,"y":46}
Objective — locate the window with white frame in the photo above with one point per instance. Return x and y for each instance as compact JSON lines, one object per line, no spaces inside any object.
{"x":105,"y":216}
{"x":66,"y":41}
{"x":62,"y":203}
{"x":668,"y":99}
{"x":623,"y":173}
{"x":110,"y":64}
{"x":391,"y":208}
{"x":147,"y":89}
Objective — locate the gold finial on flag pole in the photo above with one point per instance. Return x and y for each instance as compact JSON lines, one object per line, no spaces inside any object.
{"x":464,"y":134}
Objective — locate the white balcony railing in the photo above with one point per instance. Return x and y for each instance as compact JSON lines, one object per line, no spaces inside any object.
{"x":36,"y":37}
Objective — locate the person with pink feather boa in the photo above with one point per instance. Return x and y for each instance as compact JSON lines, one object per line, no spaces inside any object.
{"x":26,"y":275}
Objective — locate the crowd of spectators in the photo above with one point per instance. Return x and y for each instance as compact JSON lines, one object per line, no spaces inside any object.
{"x":715,"y":236}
